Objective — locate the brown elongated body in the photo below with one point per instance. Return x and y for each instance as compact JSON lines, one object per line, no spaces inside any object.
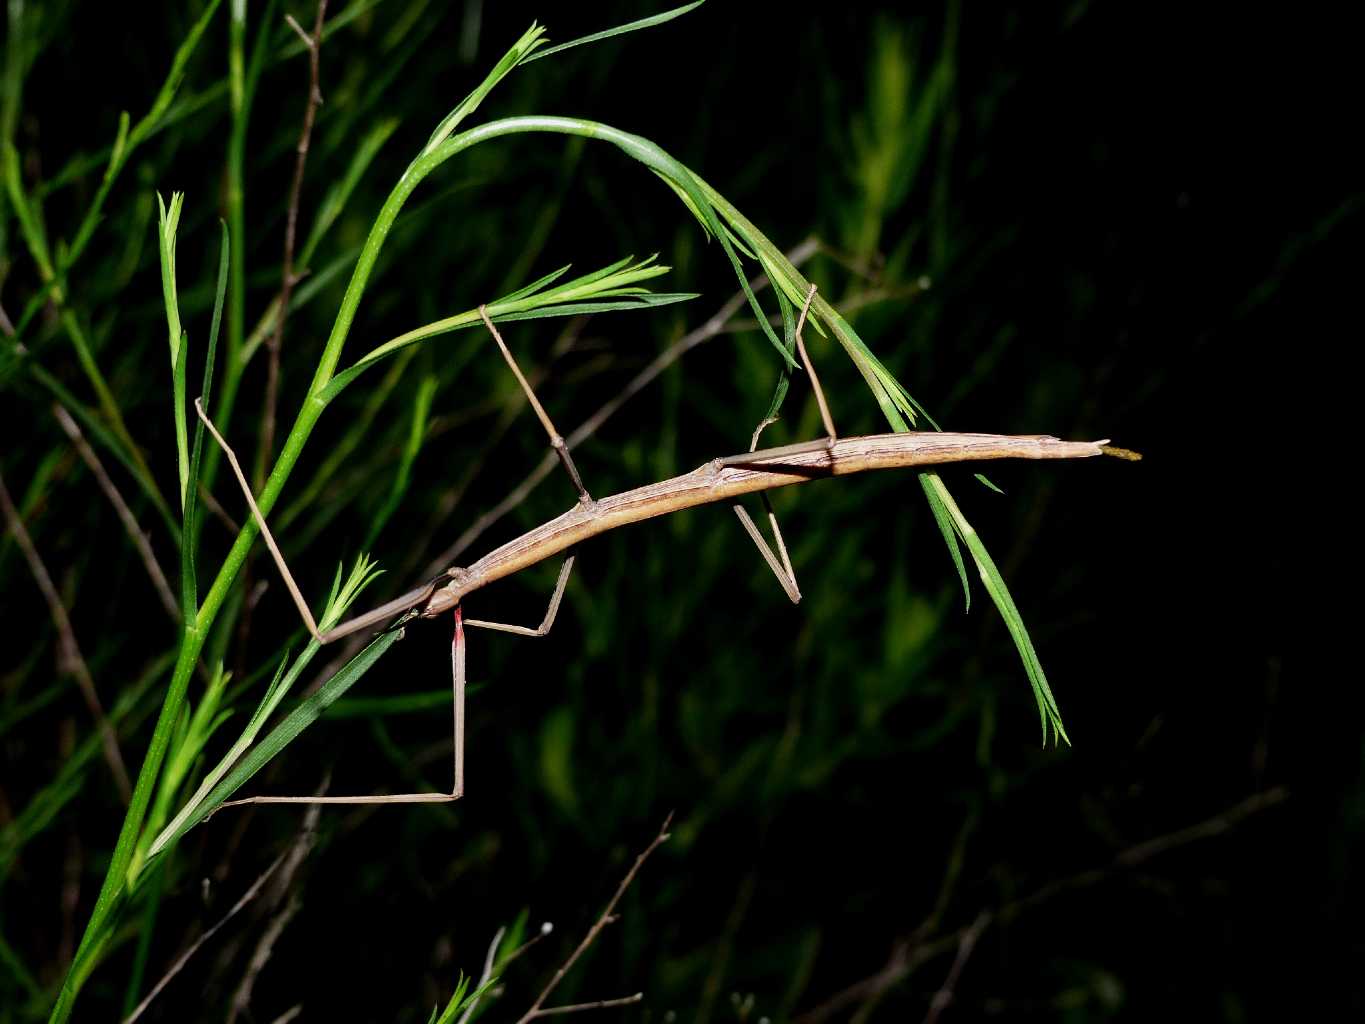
{"x":718,"y":480}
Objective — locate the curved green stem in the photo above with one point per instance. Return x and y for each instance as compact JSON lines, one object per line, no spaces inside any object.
{"x":703,"y":201}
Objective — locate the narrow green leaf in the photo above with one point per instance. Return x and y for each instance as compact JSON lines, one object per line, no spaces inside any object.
{"x":530,"y":41}
{"x":573,"y":298}
{"x":930,"y":481}
{"x":189,"y":534}
{"x":537,"y":285}
{"x":182,"y":446}
{"x":687,"y":201}
{"x":1048,"y":712}
{"x":28,"y":216}
{"x":169,"y":222}
{"x":461,"y":1000}
{"x":283,"y":734}
{"x":337,"y":196}
{"x":645,"y":300}
{"x":620,"y":265}
{"x":203,"y":803}
{"x":174,"y":77}
{"x":420,"y":702}
{"x":421,"y":410}
{"x":784,"y":377}
{"x":619,"y":30}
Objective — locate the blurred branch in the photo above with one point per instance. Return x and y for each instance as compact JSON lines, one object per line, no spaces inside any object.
{"x":265,"y":946}
{"x":288,"y":277}
{"x":291,"y":855}
{"x":252,"y":892}
{"x":69,"y":651}
{"x":125,"y":514}
{"x":944,"y":996}
{"x":606,"y":918}
{"x":907,"y":953}
{"x":489,"y":959}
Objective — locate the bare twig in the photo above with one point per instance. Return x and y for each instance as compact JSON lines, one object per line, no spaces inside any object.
{"x":252,"y":892}
{"x":69,"y":651}
{"x":288,"y":277}
{"x":545,"y":929}
{"x":265,"y":945}
{"x":944,"y":996}
{"x":600,"y":1004}
{"x":72,"y":868}
{"x":607,"y":917}
{"x":125,"y":514}
{"x":907,"y":955}
{"x":289,"y":858}
{"x":491,"y":960}
{"x":211,"y":503}
{"x":488,"y":961}
{"x":260,"y":956}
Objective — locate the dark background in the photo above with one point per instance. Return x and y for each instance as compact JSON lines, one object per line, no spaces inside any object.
{"x":1137,"y":223}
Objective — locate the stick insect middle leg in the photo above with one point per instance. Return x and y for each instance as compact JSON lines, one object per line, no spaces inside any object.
{"x":782,"y":569}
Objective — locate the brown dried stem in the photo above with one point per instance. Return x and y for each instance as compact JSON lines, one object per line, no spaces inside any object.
{"x":69,"y":651}
{"x":909,"y":953}
{"x":125,"y":514}
{"x":288,"y":277}
{"x":538,"y":1007}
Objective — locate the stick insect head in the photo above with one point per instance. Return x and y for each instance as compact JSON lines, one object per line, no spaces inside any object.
{"x":416,"y":603}
{"x":439,"y":601}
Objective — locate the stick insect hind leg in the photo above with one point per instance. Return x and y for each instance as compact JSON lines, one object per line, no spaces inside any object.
{"x":458,"y":676}
{"x":408,"y":606}
{"x":782,"y":569}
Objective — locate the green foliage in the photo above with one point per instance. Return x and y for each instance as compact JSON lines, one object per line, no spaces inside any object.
{"x":363,"y":475}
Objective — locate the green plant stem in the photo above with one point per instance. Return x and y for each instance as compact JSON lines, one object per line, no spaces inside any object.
{"x":235,"y":199}
{"x":196,"y":632}
{"x":125,"y":143}
{"x":243,"y":76}
{"x":97,"y":429}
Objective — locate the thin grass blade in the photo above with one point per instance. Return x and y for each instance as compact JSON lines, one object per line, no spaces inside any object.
{"x":189,"y":535}
{"x":283,"y":734}
{"x":619,"y":30}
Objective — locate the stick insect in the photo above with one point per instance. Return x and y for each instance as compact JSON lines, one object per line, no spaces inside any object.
{"x":726,"y":478}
